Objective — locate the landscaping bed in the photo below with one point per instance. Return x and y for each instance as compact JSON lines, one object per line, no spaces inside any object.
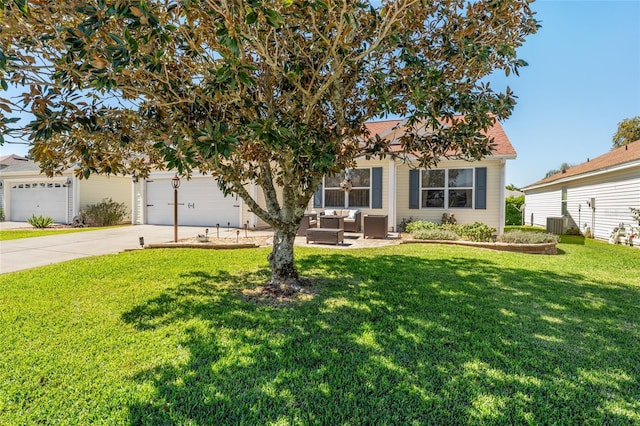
{"x":480,"y":235}
{"x":542,"y":248}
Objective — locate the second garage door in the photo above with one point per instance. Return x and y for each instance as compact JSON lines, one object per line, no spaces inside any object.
{"x":200,"y":203}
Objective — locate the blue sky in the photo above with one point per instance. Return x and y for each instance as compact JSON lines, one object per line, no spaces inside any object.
{"x":583,"y":78}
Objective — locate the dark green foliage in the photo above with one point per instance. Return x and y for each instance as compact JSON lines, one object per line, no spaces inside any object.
{"x":628,"y":131}
{"x":572,"y":231}
{"x":513,"y":214}
{"x":106,"y":213}
{"x":40,"y":221}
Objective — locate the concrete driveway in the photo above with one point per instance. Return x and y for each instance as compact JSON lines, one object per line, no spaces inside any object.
{"x":25,"y":253}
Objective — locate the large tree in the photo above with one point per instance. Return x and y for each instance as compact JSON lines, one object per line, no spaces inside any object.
{"x":272,"y":92}
{"x":628,"y":131}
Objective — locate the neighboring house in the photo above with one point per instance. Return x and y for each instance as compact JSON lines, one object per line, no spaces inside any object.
{"x":473,"y":191}
{"x":510,"y":193}
{"x":24,"y":191}
{"x":596,"y":195}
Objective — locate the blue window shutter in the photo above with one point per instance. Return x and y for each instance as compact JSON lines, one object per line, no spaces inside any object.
{"x":317,"y":198}
{"x":376,"y":188}
{"x":481,"y":188}
{"x":414,"y":189}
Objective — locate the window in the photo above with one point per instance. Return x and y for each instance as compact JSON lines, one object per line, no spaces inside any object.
{"x":447,"y":188}
{"x":563,"y":207}
{"x":358,"y":196}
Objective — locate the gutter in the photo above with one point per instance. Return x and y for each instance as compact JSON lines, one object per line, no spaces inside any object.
{"x":584,"y":175}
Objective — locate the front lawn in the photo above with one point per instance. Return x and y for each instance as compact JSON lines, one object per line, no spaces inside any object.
{"x":408,"y":334}
{"x":14,"y":234}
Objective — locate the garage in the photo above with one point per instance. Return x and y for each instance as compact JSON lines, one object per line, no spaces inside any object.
{"x":200,"y":203}
{"x":45,"y":198}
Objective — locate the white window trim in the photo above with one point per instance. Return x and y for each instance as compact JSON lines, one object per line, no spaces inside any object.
{"x":346,"y":193}
{"x":447,"y":188}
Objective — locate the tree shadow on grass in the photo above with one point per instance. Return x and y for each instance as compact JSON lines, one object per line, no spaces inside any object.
{"x":397,"y":340}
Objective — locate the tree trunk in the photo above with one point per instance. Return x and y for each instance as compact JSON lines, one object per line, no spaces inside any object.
{"x":283,"y":271}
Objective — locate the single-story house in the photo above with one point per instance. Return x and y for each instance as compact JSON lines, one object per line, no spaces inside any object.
{"x":594,"y":195}
{"x":471,"y":190}
{"x":25,"y":192}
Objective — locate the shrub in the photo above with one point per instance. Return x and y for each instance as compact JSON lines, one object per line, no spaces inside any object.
{"x":1,"y":214}
{"x":525,"y":228}
{"x":524,"y":237}
{"x":40,"y":221}
{"x":402,"y":226}
{"x":106,"y":213}
{"x":420,"y":224}
{"x":435,"y":234}
{"x":513,"y":215}
{"x":573,"y":231}
{"x":476,"y":231}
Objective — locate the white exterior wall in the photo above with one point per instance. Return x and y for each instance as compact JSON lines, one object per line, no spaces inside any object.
{"x":97,"y":188}
{"x":540,"y":205}
{"x":613,"y":196}
{"x":492,"y":216}
{"x":614,"y":192}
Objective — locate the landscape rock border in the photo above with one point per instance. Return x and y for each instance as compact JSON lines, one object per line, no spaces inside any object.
{"x":544,"y":248}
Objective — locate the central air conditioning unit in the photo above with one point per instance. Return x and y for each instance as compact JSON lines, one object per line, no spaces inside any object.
{"x":556,"y":225}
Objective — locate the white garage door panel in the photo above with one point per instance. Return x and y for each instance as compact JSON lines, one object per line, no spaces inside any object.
{"x":200,"y":203}
{"x":40,"y":199}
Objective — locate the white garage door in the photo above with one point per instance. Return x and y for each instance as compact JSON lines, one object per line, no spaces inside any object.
{"x":40,"y":199}
{"x":200,"y":203}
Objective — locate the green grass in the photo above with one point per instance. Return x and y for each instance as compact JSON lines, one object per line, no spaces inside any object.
{"x":410,"y":334}
{"x":14,"y":234}
{"x":525,"y":228}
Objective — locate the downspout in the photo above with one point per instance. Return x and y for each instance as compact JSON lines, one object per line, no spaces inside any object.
{"x":75,"y":187}
{"x":391,"y":199}
{"x":503,"y":171}
{"x":143,"y":201}
{"x":134,"y":207}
